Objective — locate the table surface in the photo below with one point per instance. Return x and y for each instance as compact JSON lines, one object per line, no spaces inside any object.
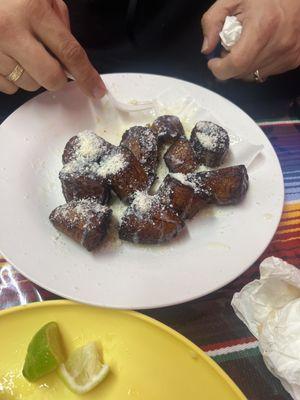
{"x":210,"y":321}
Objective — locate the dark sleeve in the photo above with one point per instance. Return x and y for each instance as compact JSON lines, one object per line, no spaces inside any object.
{"x":144,"y":22}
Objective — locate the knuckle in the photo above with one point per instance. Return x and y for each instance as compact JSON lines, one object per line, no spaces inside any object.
{"x":37,"y":9}
{"x":64,"y":6}
{"x":215,"y":71}
{"x":10,"y":90}
{"x":88,"y":77}
{"x":240,"y":62}
{"x":205,"y":18}
{"x":289,"y":44}
{"x":5,"y":24}
{"x":33,"y":87}
{"x":295,"y":62}
{"x":286,"y":45}
{"x":72,"y":52}
{"x":54,"y":80}
{"x":32,"y":6}
{"x":271,"y":22}
{"x":219,"y":76}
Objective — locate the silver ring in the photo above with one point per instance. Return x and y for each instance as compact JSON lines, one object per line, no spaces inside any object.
{"x":257,"y":78}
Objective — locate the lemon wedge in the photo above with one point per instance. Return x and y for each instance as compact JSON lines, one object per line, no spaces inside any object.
{"x":83,"y":370}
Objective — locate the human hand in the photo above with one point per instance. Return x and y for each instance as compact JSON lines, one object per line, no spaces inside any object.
{"x":36,"y":35}
{"x":270,"y":41}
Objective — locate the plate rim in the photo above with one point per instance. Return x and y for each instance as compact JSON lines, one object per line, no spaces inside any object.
{"x":280,"y":194}
{"x":136,"y":315}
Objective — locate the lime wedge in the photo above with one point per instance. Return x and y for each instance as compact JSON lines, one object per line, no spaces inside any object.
{"x":45,"y":352}
{"x":83,"y":370}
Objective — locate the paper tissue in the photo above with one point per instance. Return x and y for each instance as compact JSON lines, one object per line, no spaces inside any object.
{"x":270,"y":307}
{"x":231,"y":32}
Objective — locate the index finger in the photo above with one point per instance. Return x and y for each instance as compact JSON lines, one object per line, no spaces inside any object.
{"x":57,"y":38}
{"x":213,"y":20}
{"x":243,"y":57}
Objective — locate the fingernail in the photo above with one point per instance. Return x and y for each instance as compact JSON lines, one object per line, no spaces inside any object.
{"x":204,"y":45}
{"x":99,"y":92}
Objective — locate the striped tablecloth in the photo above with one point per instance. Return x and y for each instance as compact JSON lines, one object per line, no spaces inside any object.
{"x":210,"y":321}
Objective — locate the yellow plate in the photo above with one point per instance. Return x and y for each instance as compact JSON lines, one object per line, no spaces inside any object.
{"x":148,"y":360}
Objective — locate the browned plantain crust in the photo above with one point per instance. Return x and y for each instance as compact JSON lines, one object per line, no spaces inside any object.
{"x":92,"y":147}
{"x":85,"y":221}
{"x":82,"y":182}
{"x":142,"y":142}
{"x":183,"y":197}
{"x":156,"y":225}
{"x":210,"y":143}
{"x":181,"y":157}
{"x":228,"y":185}
{"x":128,"y":179}
{"x":168,"y":128}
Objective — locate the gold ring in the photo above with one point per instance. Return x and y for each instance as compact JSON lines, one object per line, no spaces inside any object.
{"x":15,"y":74}
{"x":257,"y":78}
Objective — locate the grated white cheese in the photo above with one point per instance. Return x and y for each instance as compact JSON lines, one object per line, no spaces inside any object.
{"x":88,"y":145}
{"x":111,"y":165}
{"x":86,"y":206}
{"x":211,"y":136}
{"x":142,"y":202}
{"x":78,"y":168}
{"x":80,"y":211}
{"x":209,"y":142}
{"x":73,"y":167}
{"x":82,"y":207}
{"x":118,"y":208}
{"x":183,"y":179}
{"x":203,"y":168}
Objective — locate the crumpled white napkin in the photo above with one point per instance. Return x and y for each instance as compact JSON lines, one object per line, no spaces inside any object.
{"x":270,"y":307}
{"x":231,"y":32}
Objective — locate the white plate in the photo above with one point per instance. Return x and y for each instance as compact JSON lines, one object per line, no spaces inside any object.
{"x":218,"y":246}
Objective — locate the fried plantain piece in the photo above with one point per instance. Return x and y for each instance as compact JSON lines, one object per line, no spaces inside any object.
{"x":168,"y":128}
{"x":123,"y":172}
{"x":183,"y":196}
{"x":86,"y":221}
{"x":80,"y":180}
{"x":228,"y":185}
{"x":142,"y":142}
{"x":210,"y":143}
{"x":86,"y":146}
{"x":180,"y":157}
{"x":148,"y":221}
